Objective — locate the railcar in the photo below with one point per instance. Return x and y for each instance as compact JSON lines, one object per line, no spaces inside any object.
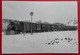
{"x":38,"y":27}
{"x":44,"y":27}
{"x":17,"y":27}
{"x":34,"y":27}
{"x":48,"y":27}
{"x":70,"y":28}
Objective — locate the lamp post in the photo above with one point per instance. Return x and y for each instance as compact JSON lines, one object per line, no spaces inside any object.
{"x":31,"y":14}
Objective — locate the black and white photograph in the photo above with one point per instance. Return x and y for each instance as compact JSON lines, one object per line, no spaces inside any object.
{"x":39,"y":27}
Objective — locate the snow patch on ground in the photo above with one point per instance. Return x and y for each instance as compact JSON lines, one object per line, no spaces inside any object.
{"x":38,"y":42}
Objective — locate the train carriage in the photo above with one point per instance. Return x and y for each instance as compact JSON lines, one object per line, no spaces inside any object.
{"x":27,"y":27}
{"x":38,"y":28}
{"x":34,"y":27}
{"x":17,"y":27}
{"x":45,"y":27}
{"x":48,"y":27}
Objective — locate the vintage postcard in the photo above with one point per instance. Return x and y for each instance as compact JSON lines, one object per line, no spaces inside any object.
{"x":39,"y":27}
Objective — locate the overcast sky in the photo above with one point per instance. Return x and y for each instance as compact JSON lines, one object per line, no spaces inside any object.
{"x":45,"y":11}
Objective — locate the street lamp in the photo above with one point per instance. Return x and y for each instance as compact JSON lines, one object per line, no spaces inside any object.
{"x":31,"y":14}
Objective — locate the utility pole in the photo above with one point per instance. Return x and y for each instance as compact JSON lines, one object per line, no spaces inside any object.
{"x":31,"y":14}
{"x":24,"y":29}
